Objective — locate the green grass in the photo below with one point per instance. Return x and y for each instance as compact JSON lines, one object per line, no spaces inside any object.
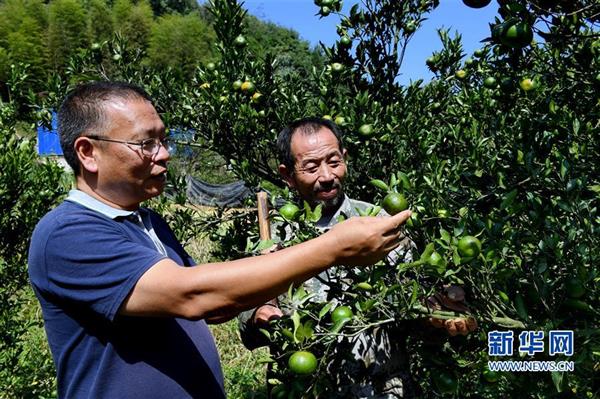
{"x":243,"y":371}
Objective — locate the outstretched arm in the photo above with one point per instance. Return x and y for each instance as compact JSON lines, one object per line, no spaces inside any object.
{"x":219,"y":291}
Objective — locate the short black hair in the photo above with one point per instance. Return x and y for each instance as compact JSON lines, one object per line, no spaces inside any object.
{"x":82,"y":112}
{"x":306,"y":126}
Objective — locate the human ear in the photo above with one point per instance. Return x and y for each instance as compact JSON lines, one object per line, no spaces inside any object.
{"x":86,"y":153}
{"x":287,"y":176}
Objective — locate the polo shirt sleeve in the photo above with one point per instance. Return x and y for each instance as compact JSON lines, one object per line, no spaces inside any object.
{"x":94,"y":263}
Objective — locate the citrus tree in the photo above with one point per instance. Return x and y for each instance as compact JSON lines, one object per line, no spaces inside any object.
{"x":28,"y":189}
{"x":495,"y":156}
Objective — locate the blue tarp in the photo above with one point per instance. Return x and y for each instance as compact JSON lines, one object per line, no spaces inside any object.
{"x":48,"y":141}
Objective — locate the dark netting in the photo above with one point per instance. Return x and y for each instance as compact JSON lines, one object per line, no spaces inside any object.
{"x":201,"y":193}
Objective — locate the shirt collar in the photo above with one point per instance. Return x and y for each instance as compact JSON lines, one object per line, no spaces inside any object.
{"x":84,"y":199}
{"x":345,"y":207}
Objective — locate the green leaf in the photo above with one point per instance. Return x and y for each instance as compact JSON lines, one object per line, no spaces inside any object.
{"x":404,"y":181}
{"x":564,"y":168}
{"x":393,"y":182}
{"x":374,"y":210}
{"x":508,"y":199}
{"x":415,"y":293}
{"x":520,"y":307}
{"x":456,"y":257}
{"x":264,"y":244}
{"x":445,"y":236}
{"x":339,"y":325}
{"x":380,"y":184}
{"x":325,"y":309}
{"x":557,"y":379}
{"x":307,"y":210}
{"x":296,"y":320}
{"x":428,"y":251}
{"x":305,"y":331}
{"x":576,"y":126}
{"x":316,"y":214}
{"x":299,"y":294}
{"x":266,"y":333}
{"x":595,"y":188}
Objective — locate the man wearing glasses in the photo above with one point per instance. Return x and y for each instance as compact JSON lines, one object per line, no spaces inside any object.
{"x":125,"y":307}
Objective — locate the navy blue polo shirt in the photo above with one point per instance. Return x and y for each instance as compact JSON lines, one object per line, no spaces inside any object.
{"x":84,"y":260}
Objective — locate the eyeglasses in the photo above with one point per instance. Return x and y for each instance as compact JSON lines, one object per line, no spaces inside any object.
{"x":149,"y":147}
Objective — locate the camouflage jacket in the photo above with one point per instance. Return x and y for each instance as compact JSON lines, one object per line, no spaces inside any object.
{"x":378,"y":365}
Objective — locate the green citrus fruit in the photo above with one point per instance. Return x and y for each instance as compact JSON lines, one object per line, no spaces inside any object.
{"x":461,"y":74}
{"x":341,"y":313}
{"x":345,"y":41}
{"x":365,"y":130}
{"x":394,"y":203}
{"x":444,"y":382}
{"x":528,"y":84}
{"x":506,"y":84}
{"x":574,"y":287}
{"x":340,"y":120}
{"x":431,"y":61}
{"x":517,"y":35}
{"x":289,"y":211}
{"x":237,"y":85}
{"x":469,"y":247}
{"x":489,"y":82}
{"x":410,"y":27}
{"x":479,"y":52}
{"x":248,"y":87}
{"x":302,"y":362}
{"x":211,"y":66}
{"x":477,"y":3}
{"x":336,"y":67}
{"x":256,"y":97}
{"x":240,"y":41}
{"x":490,"y":376}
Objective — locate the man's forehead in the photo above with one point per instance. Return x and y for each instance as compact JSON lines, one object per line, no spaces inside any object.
{"x":118,"y":104}
{"x":321,"y":141}
{"x":138,"y":113}
{"x":127,"y":104}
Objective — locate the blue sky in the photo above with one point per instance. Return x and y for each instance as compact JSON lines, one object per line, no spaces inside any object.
{"x":300,"y":15}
